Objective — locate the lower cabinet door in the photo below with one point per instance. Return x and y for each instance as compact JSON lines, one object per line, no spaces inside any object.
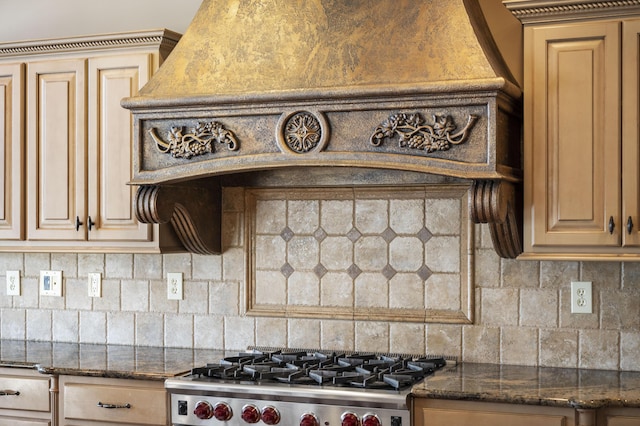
{"x":462,"y":413}
{"x":623,"y":421}
{"x":619,"y":416}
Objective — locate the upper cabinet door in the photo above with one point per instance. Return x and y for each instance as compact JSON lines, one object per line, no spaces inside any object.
{"x":110,"y":139}
{"x":631,"y":132}
{"x":11,"y":152}
{"x":56,"y":150}
{"x":572,"y":148}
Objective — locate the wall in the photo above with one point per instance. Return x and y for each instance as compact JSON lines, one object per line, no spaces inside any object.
{"x":507,"y":33}
{"x":37,"y":19}
{"x":521,"y":308}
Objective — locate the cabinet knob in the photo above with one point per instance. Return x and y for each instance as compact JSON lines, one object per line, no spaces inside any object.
{"x":8,"y":392}
{"x":612,"y":225}
{"x":90,"y":223}
{"x":629,"y":225}
{"x":78,"y":223}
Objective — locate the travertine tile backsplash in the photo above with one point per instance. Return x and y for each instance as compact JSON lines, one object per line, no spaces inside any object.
{"x":521,"y":313}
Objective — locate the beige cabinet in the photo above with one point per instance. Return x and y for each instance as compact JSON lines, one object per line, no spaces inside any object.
{"x":101,"y":401}
{"x":572,"y":153}
{"x":26,"y":398}
{"x":68,"y":143}
{"x":431,"y":412}
{"x":78,"y":183}
{"x":78,"y":143}
{"x":12,"y":152}
{"x":581,"y":137}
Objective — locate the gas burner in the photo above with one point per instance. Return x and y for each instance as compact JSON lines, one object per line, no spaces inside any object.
{"x":360,"y":370}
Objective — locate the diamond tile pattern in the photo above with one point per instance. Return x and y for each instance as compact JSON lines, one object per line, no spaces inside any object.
{"x":320,"y":234}
{"x":354,"y":271}
{"x":389,"y":272}
{"x":320,"y":270}
{"x":354,"y":235}
{"x":388,"y":235}
{"x":379,"y":239}
{"x":287,"y":234}
{"x":287,"y":270}
{"x":424,"y":235}
{"x":424,"y":272}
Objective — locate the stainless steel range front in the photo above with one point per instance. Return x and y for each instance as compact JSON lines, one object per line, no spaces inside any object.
{"x":300,"y":387}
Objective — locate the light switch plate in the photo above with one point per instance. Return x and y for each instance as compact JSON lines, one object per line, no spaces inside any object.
{"x":51,"y":283}
{"x":174,"y":285}
{"x":13,"y":283}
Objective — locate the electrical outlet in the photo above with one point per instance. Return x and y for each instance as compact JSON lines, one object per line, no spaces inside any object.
{"x":174,"y":285}
{"x":581,"y":298}
{"x":51,"y":283}
{"x":13,"y":283}
{"x":95,"y":284}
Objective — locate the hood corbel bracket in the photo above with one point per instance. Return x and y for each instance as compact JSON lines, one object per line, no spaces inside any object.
{"x":194,"y":211}
{"x":496,"y":202}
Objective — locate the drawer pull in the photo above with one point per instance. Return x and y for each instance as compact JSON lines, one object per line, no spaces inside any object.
{"x":100,"y":404}
{"x":8,"y":392}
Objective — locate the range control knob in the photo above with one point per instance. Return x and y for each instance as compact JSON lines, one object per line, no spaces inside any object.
{"x":309,"y":419}
{"x":250,"y":413}
{"x":270,"y":415}
{"x":203,"y":410}
{"x":222,"y":411}
{"x":371,"y":420}
{"x":349,"y":419}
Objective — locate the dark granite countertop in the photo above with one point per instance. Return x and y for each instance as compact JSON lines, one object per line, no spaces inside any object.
{"x":558,"y":387}
{"x":114,"y":361}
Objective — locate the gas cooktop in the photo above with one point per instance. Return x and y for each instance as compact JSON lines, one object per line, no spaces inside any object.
{"x":303,"y":387}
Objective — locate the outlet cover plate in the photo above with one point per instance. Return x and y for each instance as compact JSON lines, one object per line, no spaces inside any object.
{"x":13,"y":283}
{"x":581,"y":297}
{"x":51,"y":283}
{"x":94,"y":283}
{"x":174,"y":285}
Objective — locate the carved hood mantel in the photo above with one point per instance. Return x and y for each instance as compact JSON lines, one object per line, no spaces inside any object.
{"x":391,"y":85}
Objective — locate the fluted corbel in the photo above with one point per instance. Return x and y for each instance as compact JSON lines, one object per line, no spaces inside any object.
{"x":497,"y":204}
{"x":194,"y":211}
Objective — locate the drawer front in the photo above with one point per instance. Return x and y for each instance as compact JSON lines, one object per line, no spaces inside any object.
{"x":33,"y":393}
{"x":146,"y":406}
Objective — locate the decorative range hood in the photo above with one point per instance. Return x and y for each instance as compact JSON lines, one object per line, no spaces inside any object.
{"x":362,"y":88}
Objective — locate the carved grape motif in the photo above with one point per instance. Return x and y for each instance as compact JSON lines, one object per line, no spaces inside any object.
{"x":413,"y":133}
{"x":198,"y":141}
